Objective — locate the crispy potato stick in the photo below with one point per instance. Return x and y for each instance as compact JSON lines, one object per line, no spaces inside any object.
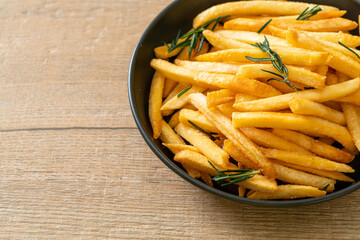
{"x":327,"y":174}
{"x":237,"y":155}
{"x":206,"y":179}
{"x":191,"y":171}
{"x":179,"y":88}
{"x":227,"y":109}
{"x":236,"y":137}
{"x":168,"y":87}
{"x":214,"y":80}
{"x":169,"y":136}
{"x":331,"y":79}
{"x":269,"y":140}
{"x":327,"y":140}
{"x":250,"y":8}
{"x":198,"y":119}
{"x":202,"y":142}
{"x":282,"y":102}
{"x":319,"y":148}
{"x":253,"y":37}
{"x":307,"y":107}
{"x":322,"y":70}
{"x":175,"y":148}
{"x":338,"y":60}
{"x":200,"y":162}
{"x":346,"y":38}
{"x":296,"y":74}
{"x":242,"y":97}
{"x":307,"y":160}
{"x":174,"y":120}
{"x":295,"y":122}
{"x":162,"y":52}
{"x":215,"y":67}
{"x":222,"y":43}
{"x":184,"y":55}
{"x":293,"y":176}
{"x":155,"y":100}
{"x":352,"y":115}
{"x":324,"y":25}
{"x":178,"y":102}
{"x":289,"y":192}
{"x":219,"y":97}
{"x":353,"y":99}
{"x":288,"y":56}
{"x":318,"y":16}
{"x":242,"y":191}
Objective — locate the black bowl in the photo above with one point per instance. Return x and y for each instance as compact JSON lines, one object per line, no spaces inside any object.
{"x":164,"y":27}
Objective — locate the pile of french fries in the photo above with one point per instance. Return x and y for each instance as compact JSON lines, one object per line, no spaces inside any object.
{"x":216,"y":111}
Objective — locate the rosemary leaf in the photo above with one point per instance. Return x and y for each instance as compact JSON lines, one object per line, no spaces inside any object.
{"x":263,"y":27}
{"x":357,"y":55}
{"x":211,"y":135}
{"x":183,"y":92}
{"x":305,"y":15}
{"x":325,"y":188}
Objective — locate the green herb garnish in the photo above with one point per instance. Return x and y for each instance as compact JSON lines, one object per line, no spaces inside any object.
{"x":263,"y":27}
{"x":309,"y":88}
{"x":192,"y":38}
{"x":305,"y":15}
{"x":325,"y":188}
{"x":349,"y":49}
{"x":211,"y":135}
{"x":276,"y":62}
{"x":235,"y":176}
{"x":183,"y":92}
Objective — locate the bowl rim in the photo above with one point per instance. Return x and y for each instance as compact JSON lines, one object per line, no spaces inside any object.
{"x":170,"y":164}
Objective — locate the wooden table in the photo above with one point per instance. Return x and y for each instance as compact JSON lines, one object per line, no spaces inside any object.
{"x":74,"y":166}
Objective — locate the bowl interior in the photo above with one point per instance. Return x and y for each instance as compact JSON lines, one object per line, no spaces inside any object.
{"x":164,"y":27}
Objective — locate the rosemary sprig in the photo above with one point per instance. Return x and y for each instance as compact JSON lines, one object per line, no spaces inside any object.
{"x":357,"y":55}
{"x":263,"y":27}
{"x":305,"y":15}
{"x":211,"y":135}
{"x":276,"y":62}
{"x":237,"y":175}
{"x":192,"y":37}
{"x":183,"y":92}
{"x":325,"y":188}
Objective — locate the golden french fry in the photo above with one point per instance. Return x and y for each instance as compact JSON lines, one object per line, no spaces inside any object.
{"x":179,"y":88}
{"x":184,"y":54}
{"x":227,"y":109}
{"x":307,"y":160}
{"x":191,"y":171}
{"x":328,"y":174}
{"x":249,"y":8}
{"x":169,"y":136}
{"x":353,"y":99}
{"x":215,"y":67}
{"x":180,"y":147}
{"x":293,"y":176}
{"x":174,"y":120}
{"x":281,"y":102}
{"x":296,"y":74}
{"x":242,"y":97}
{"x":162,"y":52}
{"x":319,"y":148}
{"x":323,"y":25}
{"x":237,"y":155}
{"x":338,"y":60}
{"x":327,"y":140}
{"x":213,"y":80}
{"x":269,"y":140}
{"x":295,"y":122}
{"x":155,"y":101}
{"x":289,"y":192}
{"x":218,"y":97}
{"x":352,"y":115}
{"x":222,"y":43}
{"x":242,"y":191}
{"x":198,"y":119}
{"x":205,"y":145}
{"x":288,"y":56}
{"x":307,"y":107}
{"x":207,"y":179}
{"x":168,"y":87}
{"x":236,"y":137}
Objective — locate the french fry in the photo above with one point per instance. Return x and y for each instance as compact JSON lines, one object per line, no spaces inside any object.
{"x":202,"y":142}
{"x":213,"y":80}
{"x":346,"y":38}
{"x":241,"y":191}
{"x":289,"y":192}
{"x":191,"y":171}
{"x":162,"y":52}
{"x":246,"y":8}
{"x":174,"y":120}
{"x":296,"y":74}
{"x":236,"y":137}
{"x":353,"y":99}
{"x":322,"y":70}
{"x":201,"y":163}
{"x":215,"y":67}
{"x":293,"y":176}
{"x":206,"y":179}
{"x":227,"y":109}
{"x":307,"y":107}
{"x":179,"y":88}
{"x":288,"y":56}
{"x":338,"y":60}
{"x":168,"y":87}
{"x":252,"y":37}
{"x":237,"y":155}
{"x":327,"y":140}
{"x":295,"y":122}
{"x":281,"y":102}
{"x":175,"y":148}
{"x":222,"y":43}
{"x":218,"y":97}
{"x":169,"y":136}
{"x":319,"y":148}
{"x":242,"y":97}
{"x":324,"y":25}
{"x":155,"y":101}
{"x":198,"y":119}
{"x":352,"y":115}
{"x":326,"y":174}
{"x":269,"y":140}
{"x":307,"y":160}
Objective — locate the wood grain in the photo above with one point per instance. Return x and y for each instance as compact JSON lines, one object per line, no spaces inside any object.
{"x":73,"y":165}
